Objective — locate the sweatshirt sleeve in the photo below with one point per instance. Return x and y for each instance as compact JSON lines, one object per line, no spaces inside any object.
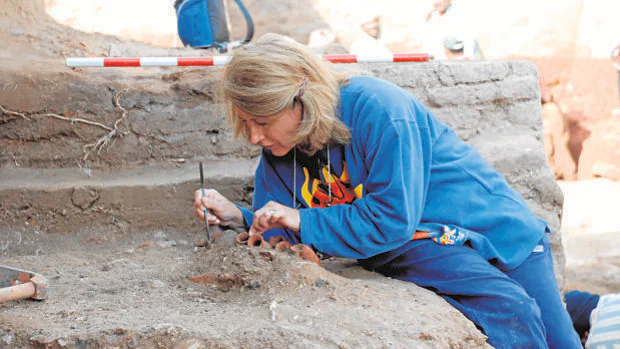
{"x":396,"y":152}
{"x":248,"y":216}
{"x":259,"y":198}
{"x":263,"y":193}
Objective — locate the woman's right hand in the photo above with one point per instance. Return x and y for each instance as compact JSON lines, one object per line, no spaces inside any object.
{"x":220,"y":210}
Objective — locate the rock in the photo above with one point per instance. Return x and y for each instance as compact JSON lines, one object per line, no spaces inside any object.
{"x":565,"y":131}
{"x":601,"y":152}
{"x":84,"y":198}
{"x":157,"y":284}
{"x":575,"y":130}
{"x":160,"y":235}
{"x":167,"y":244}
{"x":560,"y":159}
{"x":145,"y":244}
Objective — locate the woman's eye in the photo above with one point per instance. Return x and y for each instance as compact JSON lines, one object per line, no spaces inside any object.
{"x":260,"y":123}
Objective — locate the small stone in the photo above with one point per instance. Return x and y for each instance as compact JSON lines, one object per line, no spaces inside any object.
{"x":145,"y":244}
{"x":62,"y":343}
{"x":207,"y":278}
{"x":254,"y":284}
{"x":7,"y":338}
{"x":195,"y":346}
{"x":16,"y":32}
{"x":160,"y":235}
{"x":272,"y":310}
{"x":119,"y":331}
{"x":320,"y":283}
{"x":157,"y":284}
{"x":267,"y":255}
{"x":84,"y":198}
{"x":201,"y":242}
{"x":167,"y":244}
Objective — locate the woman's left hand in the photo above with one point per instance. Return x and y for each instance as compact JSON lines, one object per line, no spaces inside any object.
{"x":274,"y":215}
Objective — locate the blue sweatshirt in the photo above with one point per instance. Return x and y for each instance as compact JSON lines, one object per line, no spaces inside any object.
{"x":404,"y":171}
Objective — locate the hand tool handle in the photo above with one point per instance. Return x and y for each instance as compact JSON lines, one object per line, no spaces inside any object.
{"x":25,"y":290}
{"x":202,"y":183}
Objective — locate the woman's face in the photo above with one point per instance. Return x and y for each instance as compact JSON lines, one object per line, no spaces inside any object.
{"x":273,"y":132}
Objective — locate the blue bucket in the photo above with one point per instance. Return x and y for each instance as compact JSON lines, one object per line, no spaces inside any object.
{"x":202,"y":23}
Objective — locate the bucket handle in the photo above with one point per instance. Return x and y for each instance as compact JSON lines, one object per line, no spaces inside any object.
{"x":249,"y":27}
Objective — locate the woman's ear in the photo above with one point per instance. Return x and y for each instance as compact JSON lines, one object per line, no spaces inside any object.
{"x":297,"y":101}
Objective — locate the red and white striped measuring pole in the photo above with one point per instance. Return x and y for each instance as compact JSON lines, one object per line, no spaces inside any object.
{"x":222,"y":60}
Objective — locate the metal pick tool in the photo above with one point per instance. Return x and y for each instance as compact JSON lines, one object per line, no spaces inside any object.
{"x":202,"y":183}
{"x":17,"y":284}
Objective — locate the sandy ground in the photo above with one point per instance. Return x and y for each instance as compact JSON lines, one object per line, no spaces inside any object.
{"x":134,"y":291}
{"x":591,"y":235}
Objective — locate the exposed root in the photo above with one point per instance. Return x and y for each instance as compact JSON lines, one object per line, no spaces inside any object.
{"x":77,"y":120}
{"x":98,"y":145}
{"x":55,"y":116}
{"x":86,"y":169}
{"x":118,"y":95}
{"x":13,"y":113}
{"x":115,"y":132}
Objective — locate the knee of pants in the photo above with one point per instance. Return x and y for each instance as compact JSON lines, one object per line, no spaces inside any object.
{"x":525,"y":317}
{"x":516,"y":325}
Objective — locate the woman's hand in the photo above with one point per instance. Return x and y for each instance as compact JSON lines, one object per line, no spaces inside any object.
{"x":220,"y":210}
{"x":274,"y":215}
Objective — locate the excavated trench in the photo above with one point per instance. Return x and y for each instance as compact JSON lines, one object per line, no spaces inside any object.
{"x":97,"y":173}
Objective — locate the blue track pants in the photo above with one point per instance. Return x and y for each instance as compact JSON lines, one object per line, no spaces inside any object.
{"x":520,"y":308}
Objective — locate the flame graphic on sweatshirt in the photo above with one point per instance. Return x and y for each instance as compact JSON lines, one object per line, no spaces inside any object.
{"x":316,"y":193}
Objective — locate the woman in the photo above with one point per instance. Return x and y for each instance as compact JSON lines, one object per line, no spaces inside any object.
{"x":358,"y":168}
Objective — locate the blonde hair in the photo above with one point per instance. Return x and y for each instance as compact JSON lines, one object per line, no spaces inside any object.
{"x":266,"y":77}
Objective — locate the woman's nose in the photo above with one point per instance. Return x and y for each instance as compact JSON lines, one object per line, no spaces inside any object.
{"x":255,"y":133}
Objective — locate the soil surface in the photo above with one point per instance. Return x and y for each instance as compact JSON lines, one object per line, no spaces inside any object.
{"x":591,"y":235}
{"x":132,"y":291}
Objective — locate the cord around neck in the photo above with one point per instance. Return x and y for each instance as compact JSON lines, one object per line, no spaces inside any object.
{"x":329,"y":178}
